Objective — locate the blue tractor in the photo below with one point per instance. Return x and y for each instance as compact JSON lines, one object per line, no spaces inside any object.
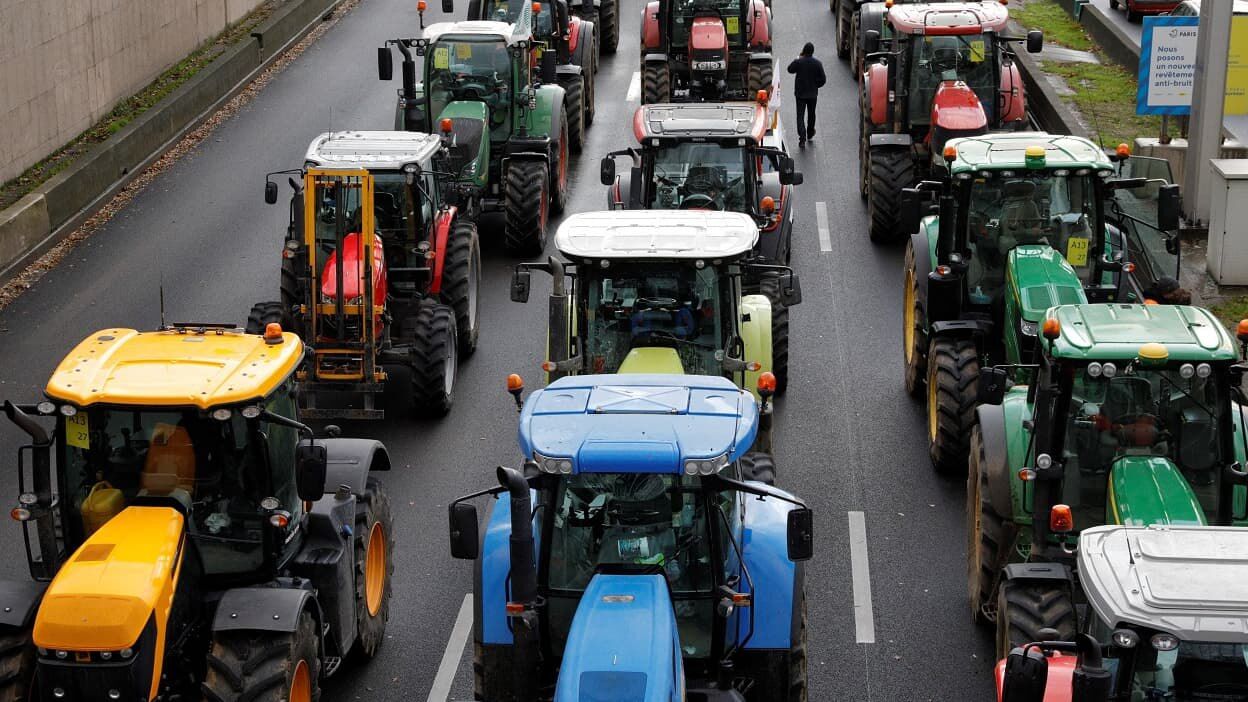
{"x":636,"y":556}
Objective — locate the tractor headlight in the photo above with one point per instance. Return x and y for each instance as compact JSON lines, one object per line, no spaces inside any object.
{"x":1186,"y":371}
{"x":1165,"y":642}
{"x":1204,"y":370}
{"x":1027,"y":328}
{"x":1094,"y":370}
{"x":553,"y":464}
{"x":45,"y":408}
{"x":705,"y":466}
{"x":1109,"y":370}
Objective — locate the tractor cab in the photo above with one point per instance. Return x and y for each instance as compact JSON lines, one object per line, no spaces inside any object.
{"x":705,"y":50}
{"x":703,"y":156}
{"x":642,"y":493}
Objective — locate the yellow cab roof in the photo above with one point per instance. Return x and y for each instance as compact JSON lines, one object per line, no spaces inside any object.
{"x":182,"y":367}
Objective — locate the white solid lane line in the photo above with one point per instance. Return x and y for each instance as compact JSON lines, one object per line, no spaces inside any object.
{"x":864,"y":617}
{"x":445,"y":678}
{"x":634,"y":88}
{"x":825,"y":236}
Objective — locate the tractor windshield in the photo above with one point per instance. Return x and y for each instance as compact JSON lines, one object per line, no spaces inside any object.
{"x":509,"y":11}
{"x":216,"y":471}
{"x":969,"y":58}
{"x":685,"y":11}
{"x":662,"y":521}
{"x":646,"y":304}
{"x":1009,"y":208}
{"x":402,"y":210}
{"x":471,"y":69}
{"x":700,"y":176}
{"x":1193,"y":672}
{"x":1178,"y":413}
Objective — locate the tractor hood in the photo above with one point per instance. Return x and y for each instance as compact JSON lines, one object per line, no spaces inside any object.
{"x":956,"y":107}
{"x":1147,"y":490}
{"x":708,"y":38}
{"x":637,"y":423}
{"x":634,"y":664}
{"x":1039,"y":278}
{"x":106,"y":593}
{"x":353,"y":272}
{"x":652,"y":359}
{"x":469,"y":152}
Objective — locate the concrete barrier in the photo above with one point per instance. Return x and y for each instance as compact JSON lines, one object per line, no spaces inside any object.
{"x":55,"y":209}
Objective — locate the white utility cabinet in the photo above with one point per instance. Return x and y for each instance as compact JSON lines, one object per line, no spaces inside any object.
{"x":1228,"y":222}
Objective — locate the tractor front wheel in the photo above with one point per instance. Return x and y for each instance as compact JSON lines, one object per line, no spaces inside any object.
{"x":374,"y":567}
{"x":798,"y":691}
{"x":656,"y":84}
{"x":914,"y":328}
{"x":288,"y":293}
{"x":952,"y":369}
{"x":434,"y":358}
{"x":609,"y":16}
{"x":985,"y":533}
{"x":843,"y":11}
{"x":891,"y":170}
{"x":864,"y":147}
{"x":527,"y":202}
{"x":574,"y":111}
{"x":760,"y":77}
{"x":758,"y":466}
{"x":591,"y":82}
{"x":265,"y":666}
{"x":461,"y":282}
{"x":1024,"y":608}
{"x":265,"y":313}
{"x":17,"y":664}
{"x":560,"y":162}
{"x":770,"y":286}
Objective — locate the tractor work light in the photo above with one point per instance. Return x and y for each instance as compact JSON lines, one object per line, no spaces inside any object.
{"x":1186,"y":371}
{"x":950,"y":153}
{"x":222,"y":414}
{"x":1094,"y":370}
{"x":421,"y":6}
{"x":515,"y":383}
{"x":127,"y":652}
{"x":250,"y":412}
{"x":1061,"y":521}
{"x":552,"y":464}
{"x":1165,"y":642}
{"x":45,"y":407}
{"x":447,"y":125}
{"x":1052,"y":328}
{"x":1123,"y":151}
{"x":26,"y":499}
{"x":1026,"y":327}
{"x":767,"y":384}
{"x":1241,"y":330}
{"x":1061,"y":172}
{"x":705,"y":466}
{"x":272,"y":333}
{"x":768,"y":205}
{"x":69,"y":410}
{"x":1109,"y":370}
{"x":1204,"y":370}
{"x":1125,"y":638}
{"x":1044,"y":461}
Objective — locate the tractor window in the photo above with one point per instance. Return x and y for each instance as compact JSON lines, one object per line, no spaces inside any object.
{"x":396,"y":206}
{"x":509,"y":11}
{"x":1193,"y":671}
{"x":471,"y":70}
{"x":701,"y":176}
{"x":969,"y":58}
{"x":1009,"y":209}
{"x":729,"y":11}
{"x":337,"y":204}
{"x":1134,"y":212}
{"x":663,"y":521}
{"x":676,"y":306}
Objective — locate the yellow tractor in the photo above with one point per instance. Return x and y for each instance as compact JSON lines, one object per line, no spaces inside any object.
{"x":181,"y":541}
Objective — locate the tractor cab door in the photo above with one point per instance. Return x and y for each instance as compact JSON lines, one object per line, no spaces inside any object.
{"x":1134,"y":213}
{"x":474,"y":69}
{"x":404,"y":207}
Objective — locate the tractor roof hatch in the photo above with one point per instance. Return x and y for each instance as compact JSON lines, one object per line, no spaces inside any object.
{"x":717,"y":121}
{"x":1189,"y":581}
{"x":660,"y":234}
{"x":175,"y":368}
{"x":638,"y":423}
{"x":474,"y":29}
{"x":1117,"y":331}
{"x":949,"y":18}
{"x":1009,"y":151}
{"x":374,"y":151}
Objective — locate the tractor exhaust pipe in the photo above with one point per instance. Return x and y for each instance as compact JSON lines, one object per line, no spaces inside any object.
{"x":411,"y":107}
{"x":521,"y":608}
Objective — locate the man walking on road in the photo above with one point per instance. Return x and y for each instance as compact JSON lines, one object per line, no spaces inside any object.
{"x":810,"y":79}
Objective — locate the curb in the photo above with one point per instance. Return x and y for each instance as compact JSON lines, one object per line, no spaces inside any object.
{"x":49,"y":213}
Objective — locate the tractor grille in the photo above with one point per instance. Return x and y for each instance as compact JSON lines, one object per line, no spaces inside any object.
{"x":468,"y":133}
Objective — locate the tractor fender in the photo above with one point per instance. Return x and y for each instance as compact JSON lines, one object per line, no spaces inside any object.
{"x":923,"y":245}
{"x":349,"y":462}
{"x":441,"y":234}
{"x":875,"y":87}
{"x":265,"y":608}
{"x":1039,"y":572}
{"x":19,"y":600}
{"x":492,"y":576}
{"x":961,"y":328}
{"x":777,"y":580}
{"x":761,"y":56}
{"x":756,"y":336}
{"x":995,"y":466}
{"x":574,"y":34}
{"x":654,"y":58}
{"x":617,"y":194}
{"x":900,"y":140}
{"x":1013,"y":96}
{"x":567,"y":70}
{"x":549,"y":106}
{"x":651,"y":34}
{"x":583,"y":48}
{"x":760,"y":25}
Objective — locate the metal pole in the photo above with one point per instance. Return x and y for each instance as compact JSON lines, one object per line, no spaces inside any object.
{"x":1209,"y":93}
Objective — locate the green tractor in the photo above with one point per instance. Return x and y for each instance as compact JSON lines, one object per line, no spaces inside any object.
{"x":488,"y":91}
{"x":1134,"y":418}
{"x":1022,"y":222}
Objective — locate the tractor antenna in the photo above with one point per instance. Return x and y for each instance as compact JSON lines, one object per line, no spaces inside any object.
{"x":162,"y":301}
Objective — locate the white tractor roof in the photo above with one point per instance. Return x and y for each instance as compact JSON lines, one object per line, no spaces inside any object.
{"x":656,"y":234}
{"x":371,"y":150}
{"x":1190,"y":581}
{"x":485,"y":29}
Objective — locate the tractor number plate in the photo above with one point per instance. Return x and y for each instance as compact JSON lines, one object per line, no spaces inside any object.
{"x":732,"y":25}
{"x":1077,"y":251}
{"x":77,"y":432}
{"x":442,"y":57}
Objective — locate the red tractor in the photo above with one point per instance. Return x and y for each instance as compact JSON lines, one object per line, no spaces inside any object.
{"x":705,"y":50}
{"x":946,"y":71}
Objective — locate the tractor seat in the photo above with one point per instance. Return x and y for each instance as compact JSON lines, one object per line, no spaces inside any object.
{"x":1021,"y":221}
{"x":169,"y":470}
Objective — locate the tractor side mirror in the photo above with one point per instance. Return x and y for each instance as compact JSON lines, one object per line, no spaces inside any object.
{"x":1026,"y":672}
{"x":801,"y":535}
{"x":520,"y":280}
{"x":909,"y":210}
{"x":992,"y":385}
{"x":448,"y":6}
{"x":606,"y":171}
{"x":871,"y":41}
{"x":270,"y":192}
{"x":788,"y":176}
{"x":1035,"y":41}
{"x":465,"y":540}
{"x":311,"y":464}
{"x":1169,"y":205}
{"x":385,"y":63}
{"x":791,"y":290}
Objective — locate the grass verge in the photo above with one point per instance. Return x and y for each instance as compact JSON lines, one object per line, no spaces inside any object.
{"x":1058,"y":27}
{"x":130,"y":108}
{"x":1231,"y":310}
{"x":1105,"y":96}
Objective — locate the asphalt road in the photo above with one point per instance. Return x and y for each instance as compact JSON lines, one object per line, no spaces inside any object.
{"x":848,"y":439}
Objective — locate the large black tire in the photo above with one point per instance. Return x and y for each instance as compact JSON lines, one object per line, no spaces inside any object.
{"x":798,"y":690}
{"x":864,"y":148}
{"x":527,"y":193}
{"x":560,"y":167}
{"x":656,"y":83}
{"x":1024,"y":608}
{"x":756,"y":465}
{"x":461,"y":283}
{"x":17,"y":664}
{"x":760,"y":77}
{"x":844,"y":11}
{"x":263,"y":666}
{"x":987,"y":533}
{"x":591,"y":82}
{"x":574,"y":112}
{"x":434,"y":360}
{"x":770,"y":286}
{"x":609,"y":26}
{"x":857,"y":58}
{"x":264,"y":313}
{"x":913,"y":327}
{"x":374,"y":529}
{"x":952,"y":370}
{"x":891,"y":170}
{"x":288,"y":293}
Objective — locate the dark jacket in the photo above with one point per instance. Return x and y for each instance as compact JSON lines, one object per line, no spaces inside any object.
{"x":810,"y":78}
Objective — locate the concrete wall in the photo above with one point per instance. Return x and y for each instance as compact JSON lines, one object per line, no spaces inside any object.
{"x":64,"y":64}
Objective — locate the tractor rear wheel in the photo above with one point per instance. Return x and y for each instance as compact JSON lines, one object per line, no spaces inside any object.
{"x":914,"y":328}
{"x":1024,"y":608}
{"x":527,"y":202}
{"x":288,"y":293}
{"x":864,"y":147}
{"x":574,"y":112}
{"x":434,"y":358}
{"x":798,"y":691}
{"x":17,"y":664}
{"x":760,"y":77}
{"x":265,"y":666}
{"x":952,"y":369}
{"x":609,"y":16}
{"x":656,"y":84}
{"x":891,"y":170}
{"x":265,"y":313}
{"x":986,"y":533}
{"x":856,"y":61}
{"x":560,"y":162}
{"x":374,"y":568}
{"x":843,"y":11}
{"x":591,"y":83}
{"x":461,"y":280}
{"x":770,"y":286}
{"x":759,"y":466}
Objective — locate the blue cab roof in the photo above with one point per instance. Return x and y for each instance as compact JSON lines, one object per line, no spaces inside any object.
{"x":638,"y":423}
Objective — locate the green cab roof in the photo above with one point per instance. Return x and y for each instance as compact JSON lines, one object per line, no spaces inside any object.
{"x":1114,"y":332}
{"x":1004,"y":151}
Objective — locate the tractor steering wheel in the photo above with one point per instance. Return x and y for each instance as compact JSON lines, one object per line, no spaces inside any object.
{"x":698,"y":201}
{"x":654,"y":303}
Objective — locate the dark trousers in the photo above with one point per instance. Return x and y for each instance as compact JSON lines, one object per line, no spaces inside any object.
{"x":806,"y":126}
